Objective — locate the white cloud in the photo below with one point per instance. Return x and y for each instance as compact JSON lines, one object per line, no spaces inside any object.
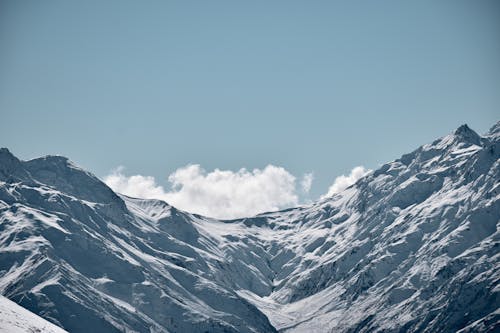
{"x":226,"y":194}
{"x":135,"y":186}
{"x":219,"y":193}
{"x":342,"y":182}
{"x":306,"y":182}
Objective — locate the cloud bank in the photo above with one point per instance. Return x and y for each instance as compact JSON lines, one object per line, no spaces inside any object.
{"x":227,"y":194}
{"x":219,"y":193}
{"x":342,"y":182}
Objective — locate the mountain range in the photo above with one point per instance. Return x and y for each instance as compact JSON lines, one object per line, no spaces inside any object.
{"x":411,"y":247}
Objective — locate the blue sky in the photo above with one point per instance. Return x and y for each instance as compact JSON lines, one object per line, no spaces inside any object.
{"x":310,"y":86}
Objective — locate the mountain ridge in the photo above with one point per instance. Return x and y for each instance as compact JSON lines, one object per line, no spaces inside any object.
{"x":411,"y":246}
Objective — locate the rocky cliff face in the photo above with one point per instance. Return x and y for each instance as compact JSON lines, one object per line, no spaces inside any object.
{"x":412,"y":246}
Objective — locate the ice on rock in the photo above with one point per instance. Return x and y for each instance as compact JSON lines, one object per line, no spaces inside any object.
{"x":413,"y":246}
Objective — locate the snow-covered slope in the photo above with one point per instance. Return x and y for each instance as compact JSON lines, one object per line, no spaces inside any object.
{"x":412,"y":246}
{"x":16,"y":319}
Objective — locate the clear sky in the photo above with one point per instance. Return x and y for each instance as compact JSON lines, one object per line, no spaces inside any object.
{"x":311,"y":86}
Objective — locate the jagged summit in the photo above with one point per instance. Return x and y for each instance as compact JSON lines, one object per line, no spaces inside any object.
{"x":468,"y":135}
{"x":411,"y":247}
{"x":5,"y":151}
{"x":464,"y":128}
{"x":7,"y":158}
{"x":494,"y":130}
{"x":8,"y":163}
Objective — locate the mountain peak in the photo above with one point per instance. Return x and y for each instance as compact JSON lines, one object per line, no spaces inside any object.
{"x":57,"y":172}
{"x":51,"y":160}
{"x":6,"y":154}
{"x":8,"y":162}
{"x":465,"y":133}
{"x":494,"y":130}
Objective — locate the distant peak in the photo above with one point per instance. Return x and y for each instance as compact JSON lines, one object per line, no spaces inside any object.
{"x":494,"y":130}
{"x":6,"y":156}
{"x":52,"y":160}
{"x":55,"y":158}
{"x":466,"y":134}
{"x":8,"y":162}
{"x":5,"y":152}
{"x":463,"y":129}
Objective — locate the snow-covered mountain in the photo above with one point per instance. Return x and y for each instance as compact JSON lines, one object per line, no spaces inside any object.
{"x":411,"y":247}
{"x":16,"y":319}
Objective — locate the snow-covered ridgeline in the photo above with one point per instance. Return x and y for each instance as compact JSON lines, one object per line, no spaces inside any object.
{"x":412,"y":246}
